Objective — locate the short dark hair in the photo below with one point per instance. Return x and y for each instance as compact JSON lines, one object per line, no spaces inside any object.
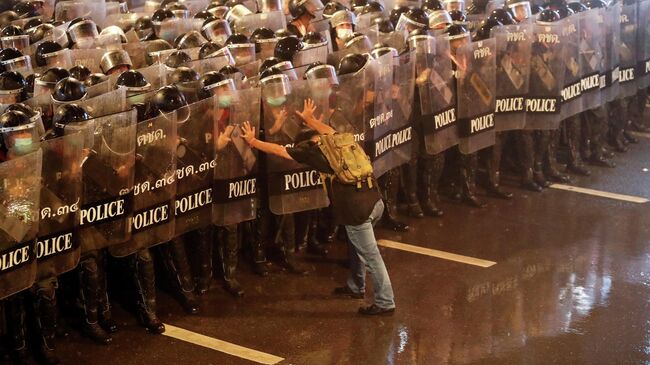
{"x":305,"y":135}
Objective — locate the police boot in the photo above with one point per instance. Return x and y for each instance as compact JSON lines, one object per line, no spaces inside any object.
{"x":575,"y":164}
{"x":429,"y":179}
{"x":597,"y":157}
{"x":205,"y":242}
{"x":180,"y":268}
{"x":526,"y":153}
{"x":45,"y":309}
{"x":145,"y":283}
{"x":90,"y":292}
{"x":551,"y":161}
{"x":468,"y":183}
{"x":629,"y":137}
{"x":388,"y":185}
{"x":105,"y":313}
{"x":285,"y":236}
{"x":493,"y":166}
{"x":257,"y":234}
{"x":617,"y":140}
{"x":410,"y":176}
{"x":15,"y":307}
{"x":327,"y":227}
{"x":229,"y":251}
{"x":314,"y":246}
{"x":540,"y":139}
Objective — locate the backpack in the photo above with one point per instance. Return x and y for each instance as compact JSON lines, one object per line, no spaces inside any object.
{"x":347,"y":158}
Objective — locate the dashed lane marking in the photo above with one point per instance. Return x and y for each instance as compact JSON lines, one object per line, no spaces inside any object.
{"x":603,"y":194}
{"x":221,"y":346}
{"x":436,"y":253}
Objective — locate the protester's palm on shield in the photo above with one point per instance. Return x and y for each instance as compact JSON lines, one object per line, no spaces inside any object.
{"x":225,"y":137}
{"x":248,"y":132}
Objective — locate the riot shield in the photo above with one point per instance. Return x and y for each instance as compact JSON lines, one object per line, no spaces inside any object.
{"x":19,"y":207}
{"x":194,"y":166}
{"x":592,"y":43}
{"x":546,"y":78}
{"x":627,"y":51}
{"x":106,"y":104}
{"x":235,"y":178}
{"x":57,"y":247}
{"x":310,"y":55}
{"x":60,"y":58}
{"x":105,"y":217}
{"x":643,"y":47}
{"x":172,"y":28}
{"x":611,"y":85}
{"x":572,"y":90}
{"x":87,"y":57}
{"x":512,"y":75}
{"x":273,"y":20}
{"x":154,"y":187}
{"x":293,"y":187}
{"x":355,"y":98}
{"x":436,"y":93}
{"x":390,"y":125}
{"x":211,"y":64}
{"x":476,"y":85}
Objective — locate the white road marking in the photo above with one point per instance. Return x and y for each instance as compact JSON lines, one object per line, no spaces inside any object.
{"x":604,"y":194}
{"x":640,"y":134}
{"x":436,"y":253}
{"x":221,"y":346}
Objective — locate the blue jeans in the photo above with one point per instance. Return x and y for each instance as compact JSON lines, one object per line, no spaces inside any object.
{"x":364,"y":253}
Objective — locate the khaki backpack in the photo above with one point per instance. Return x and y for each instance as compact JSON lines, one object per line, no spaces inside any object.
{"x":347,"y":158}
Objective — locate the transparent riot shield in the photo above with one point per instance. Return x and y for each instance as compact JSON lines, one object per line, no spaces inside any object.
{"x":572,"y":90}
{"x":137,"y":52}
{"x":546,"y":78}
{"x":87,"y":57}
{"x":273,"y":20}
{"x":214,"y":63}
{"x":476,"y":85}
{"x":60,"y":58}
{"x":110,"y":103}
{"x":390,"y":126}
{"x":292,"y":187}
{"x":57,"y":247}
{"x":436,"y":94}
{"x":310,"y":55}
{"x":627,"y":50}
{"x":22,"y":65}
{"x":512,"y":75}
{"x":611,"y":86}
{"x":592,"y":45}
{"x":172,"y":28}
{"x":108,"y":172}
{"x":195,"y":164}
{"x":154,"y":186}
{"x":643,"y":45}
{"x":235,"y":177}
{"x":19,"y":210}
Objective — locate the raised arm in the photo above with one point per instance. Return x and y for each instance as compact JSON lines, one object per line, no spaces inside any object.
{"x":312,"y":122}
{"x":248,"y":133}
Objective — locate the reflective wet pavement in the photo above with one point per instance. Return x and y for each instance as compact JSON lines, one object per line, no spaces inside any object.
{"x":571,"y":286}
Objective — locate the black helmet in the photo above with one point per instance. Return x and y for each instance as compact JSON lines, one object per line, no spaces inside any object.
{"x":319,"y":70}
{"x":331,"y":8}
{"x":143,"y":27}
{"x":153,"y":47}
{"x":161,"y":15}
{"x":44,"y":48}
{"x":237,"y":38}
{"x":382,"y":49}
{"x":212,"y":81}
{"x":23,"y":108}
{"x":595,"y":4}
{"x":458,"y":17}
{"x":431,"y":5}
{"x":146,"y":111}
{"x":27,"y":9}
{"x":80,"y":28}
{"x":416,"y":17}
{"x":11,"y":31}
{"x":564,"y":11}
{"x":271,"y":71}
{"x":396,"y":13}
{"x":39,"y":32}
{"x":287,"y":48}
{"x":30,"y":84}
{"x":169,"y":98}
{"x":8,"y":16}
{"x":314,"y":39}
{"x":33,"y":22}
{"x":10,"y":120}
{"x":182,"y":75}
{"x":384,"y":25}
{"x":351,"y":63}
{"x":52,"y":76}
{"x":269,"y":62}
{"x":208,"y":49}
{"x":536,"y":9}
{"x":95,"y":79}
{"x":548,"y":16}
{"x":191,"y":39}
{"x":298,"y":8}
{"x":456,"y":31}
{"x":216,"y":30}
{"x":80,"y":72}
{"x":229,"y":70}
{"x":66,"y":114}
{"x":203,"y":14}
{"x":503,"y":16}
{"x":283,"y":33}
{"x":68,"y":90}
{"x":577,"y":7}
{"x":372,"y":7}
{"x":484,"y":28}
{"x":13,"y":87}
{"x":132,"y":79}
{"x":262,"y":36}
{"x":177,"y":58}
{"x":8,"y":54}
